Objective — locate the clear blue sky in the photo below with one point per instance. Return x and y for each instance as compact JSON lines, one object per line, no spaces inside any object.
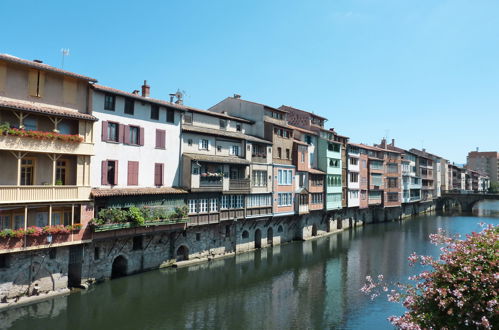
{"x":424,"y":72}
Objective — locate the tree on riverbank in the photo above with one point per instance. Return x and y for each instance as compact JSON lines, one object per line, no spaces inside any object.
{"x":461,"y":290}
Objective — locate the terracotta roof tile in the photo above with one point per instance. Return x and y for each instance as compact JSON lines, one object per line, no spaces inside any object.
{"x":48,"y":109}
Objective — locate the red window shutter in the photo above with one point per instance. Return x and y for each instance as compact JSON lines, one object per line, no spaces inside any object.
{"x":104,"y":173}
{"x":133,"y":173}
{"x":104,"y":131}
{"x":158,"y":174}
{"x":160,"y":139}
{"x":141,"y":137}
{"x":121,"y":129}
{"x":163,"y":139}
{"x":116,"y":172}
{"x":126,"y":139}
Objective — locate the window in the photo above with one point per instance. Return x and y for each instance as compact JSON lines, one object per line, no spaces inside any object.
{"x":161,"y":139}
{"x":187,"y":117}
{"x":213,"y":205}
{"x":155,"y":111}
{"x":36,"y":83}
{"x":158,"y":174}
{"x":376,"y":165}
{"x":96,"y":253}
{"x":316,"y":180}
{"x":234,"y":150}
{"x":303,"y":156}
{"x":376,"y":180}
{"x":170,"y":116}
{"x":284,"y":199}
{"x":354,"y":177}
{"x":288,"y":154}
{"x":223,"y":124}
{"x":203,"y":205}
{"x":219,"y":148}
{"x":198,"y":236}
{"x":279,"y":152}
{"x":392,"y":168}
{"x":133,"y":173}
{"x":393,"y":197}
{"x":192,"y":205}
{"x":392,"y":183}
{"x":259,"y":178}
{"x":27,"y":171}
{"x":353,"y":194}
{"x":334,"y":162}
{"x":334,"y":180}
{"x":60,"y":172}
{"x":285,"y":177}
{"x":308,"y":139}
{"x":259,"y":200}
{"x":317,"y":198}
{"x":354,"y":161}
{"x":225,"y":202}
{"x":286,"y":134}
{"x":245,"y":234}
{"x":109,"y":102}
{"x":189,"y":142}
{"x":364,"y":163}
{"x":238,"y":127}
{"x":112,"y":132}
{"x":137,"y":243}
{"x":30,"y":124}
{"x":134,"y":133}
{"x":204,"y":144}
{"x":374,"y":194}
{"x":112,"y":172}
{"x":333,"y":147}
{"x":4,"y":222}
{"x":129,"y":106}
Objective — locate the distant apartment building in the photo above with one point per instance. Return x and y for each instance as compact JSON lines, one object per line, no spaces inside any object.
{"x":227,"y":172}
{"x":45,"y":148}
{"x":393,"y":174}
{"x":486,"y":162}
{"x":331,"y":155}
{"x":425,"y":168}
{"x":270,"y":124}
{"x":357,"y":176}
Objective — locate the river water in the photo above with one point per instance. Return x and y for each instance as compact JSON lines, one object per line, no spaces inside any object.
{"x":301,"y":285}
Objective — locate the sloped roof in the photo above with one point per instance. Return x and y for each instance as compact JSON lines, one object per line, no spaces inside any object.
{"x":47,"y":109}
{"x":42,"y":66}
{"x":218,"y":132}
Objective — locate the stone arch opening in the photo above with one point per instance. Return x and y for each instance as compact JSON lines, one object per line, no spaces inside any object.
{"x":182,"y":253}
{"x":270,"y":236}
{"x":245,"y":234}
{"x":119,"y":268}
{"x":280,"y":229}
{"x":314,"y":230}
{"x":258,"y":239}
{"x":339,"y":223}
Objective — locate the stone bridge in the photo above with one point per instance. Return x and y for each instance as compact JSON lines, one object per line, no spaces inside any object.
{"x":464,"y":200}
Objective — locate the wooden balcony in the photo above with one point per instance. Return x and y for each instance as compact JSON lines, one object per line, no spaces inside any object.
{"x":32,"y":194}
{"x":239,"y":185}
{"x":16,"y":143}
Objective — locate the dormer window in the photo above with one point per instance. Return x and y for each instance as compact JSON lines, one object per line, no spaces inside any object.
{"x":109,"y":102}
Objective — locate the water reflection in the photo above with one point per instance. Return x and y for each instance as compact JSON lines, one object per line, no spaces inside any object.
{"x":487,"y":209}
{"x":303,"y":285}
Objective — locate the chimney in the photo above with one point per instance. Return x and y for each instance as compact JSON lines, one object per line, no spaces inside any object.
{"x":237,"y":96}
{"x":38,"y":61}
{"x":393,"y":142}
{"x":224,"y":113}
{"x":146,"y":89}
{"x":135,"y":92}
{"x":383,"y":143}
{"x":424,"y":150}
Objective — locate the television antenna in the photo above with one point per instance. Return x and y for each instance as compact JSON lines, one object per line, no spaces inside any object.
{"x":64,"y":52}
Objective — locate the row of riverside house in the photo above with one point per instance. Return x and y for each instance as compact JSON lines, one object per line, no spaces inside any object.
{"x":96,"y":182}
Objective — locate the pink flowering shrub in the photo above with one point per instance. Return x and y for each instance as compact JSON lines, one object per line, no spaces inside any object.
{"x":461,"y":291}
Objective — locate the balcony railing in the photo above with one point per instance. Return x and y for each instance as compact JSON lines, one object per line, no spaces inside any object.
{"x":210,"y":182}
{"x":239,"y":184}
{"x":48,"y":146}
{"x":22,"y":194}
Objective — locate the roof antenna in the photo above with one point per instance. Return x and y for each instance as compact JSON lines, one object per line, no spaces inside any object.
{"x":65,"y":52}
